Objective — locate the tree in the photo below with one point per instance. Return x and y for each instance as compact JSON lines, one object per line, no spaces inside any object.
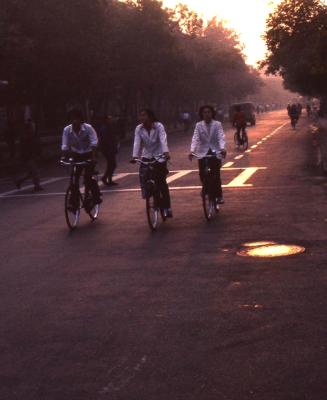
{"x":296,"y":38}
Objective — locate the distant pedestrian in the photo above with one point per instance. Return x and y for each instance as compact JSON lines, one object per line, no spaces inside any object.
{"x":10,"y":136}
{"x":30,"y":151}
{"x":109,"y":148}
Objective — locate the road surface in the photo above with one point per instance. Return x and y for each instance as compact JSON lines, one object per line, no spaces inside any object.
{"x":113,"y":311}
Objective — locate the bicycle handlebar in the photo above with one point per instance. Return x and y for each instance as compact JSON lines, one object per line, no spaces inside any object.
{"x":207,"y":156}
{"x":71,"y":162}
{"x":140,"y":161}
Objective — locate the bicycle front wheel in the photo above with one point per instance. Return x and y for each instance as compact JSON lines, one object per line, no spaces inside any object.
{"x":72,"y":210}
{"x":209,"y":206}
{"x":152,"y":212}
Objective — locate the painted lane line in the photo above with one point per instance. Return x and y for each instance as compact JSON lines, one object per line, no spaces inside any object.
{"x":229,"y":164}
{"x":244,"y":176}
{"x":248,"y":151}
{"x":260,"y":142}
{"x":47,"y":182}
{"x":254,"y":146}
{"x":178,"y":175}
{"x":239,"y":157}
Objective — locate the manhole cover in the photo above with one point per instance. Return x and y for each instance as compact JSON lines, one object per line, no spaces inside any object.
{"x":270,"y":250}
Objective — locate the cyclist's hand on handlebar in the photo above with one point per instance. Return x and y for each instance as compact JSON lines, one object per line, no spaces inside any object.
{"x":191,"y":156}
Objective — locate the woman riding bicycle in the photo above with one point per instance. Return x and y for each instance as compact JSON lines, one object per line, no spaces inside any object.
{"x":150,"y":143}
{"x":209,"y":139}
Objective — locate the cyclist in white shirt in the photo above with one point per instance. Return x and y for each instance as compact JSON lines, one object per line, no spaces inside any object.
{"x":150,"y":142}
{"x":79,"y":142}
{"x":208,"y":139}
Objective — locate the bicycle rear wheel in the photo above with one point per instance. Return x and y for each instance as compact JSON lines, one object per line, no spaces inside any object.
{"x":245,"y":144}
{"x":72,"y":211}
{"x":152,"y":212}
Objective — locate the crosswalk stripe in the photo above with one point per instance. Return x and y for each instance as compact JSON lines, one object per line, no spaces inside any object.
{"x":178,"y":175}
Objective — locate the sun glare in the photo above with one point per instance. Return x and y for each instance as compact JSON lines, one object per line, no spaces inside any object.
{"x":246,"y":17}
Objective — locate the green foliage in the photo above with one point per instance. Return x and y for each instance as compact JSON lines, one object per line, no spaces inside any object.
{"x":59,"y":51}
{"x":296,"y":37}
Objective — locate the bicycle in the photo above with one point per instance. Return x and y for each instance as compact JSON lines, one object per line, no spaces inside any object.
{"x":294,"y":121}
{"x":85,"y":200}
{"x":152,"y":194}
{"x":208,"y":195}
{"x":244,"y":142}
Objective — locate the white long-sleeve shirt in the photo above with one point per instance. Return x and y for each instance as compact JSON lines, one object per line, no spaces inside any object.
{"x":208,"y":137}
{"x":82,"y":142}
{"x":150,"y":145}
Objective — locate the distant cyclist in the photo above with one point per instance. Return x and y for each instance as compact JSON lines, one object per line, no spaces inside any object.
{"x":239,"y":122}
{"x":208,"y":139}
{"x":79,"y":142}
{"x":294,"y":114}
{"x":150,"y":142}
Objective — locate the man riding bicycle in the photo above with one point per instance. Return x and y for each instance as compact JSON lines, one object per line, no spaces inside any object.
{"x":209,"y":139}
{"x":79,"y":142}
{"x":239,"y":122}
{"x":294,"y":114}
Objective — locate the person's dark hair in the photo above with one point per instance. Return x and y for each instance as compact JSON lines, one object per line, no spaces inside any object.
{"x":75,"y":113}
{"x":150,"y":114}
{"x":207,"y":107}
{"x":238,"y":108}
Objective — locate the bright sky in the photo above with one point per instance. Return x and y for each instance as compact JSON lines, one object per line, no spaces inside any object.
{"x":247,"y":17}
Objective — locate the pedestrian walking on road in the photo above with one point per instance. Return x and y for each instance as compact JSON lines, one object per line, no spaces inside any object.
{"x":30,"y":151}
{"x":109,"y":148}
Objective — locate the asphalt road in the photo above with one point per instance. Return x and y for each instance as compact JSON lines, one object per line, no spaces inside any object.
{"x":113,"y":311}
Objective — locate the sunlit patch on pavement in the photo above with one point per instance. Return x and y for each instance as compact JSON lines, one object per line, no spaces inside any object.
{"x":270,"y":250}
{"x":257,"y":244}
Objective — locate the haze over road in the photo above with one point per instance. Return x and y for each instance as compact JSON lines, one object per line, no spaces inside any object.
{"x":115,"y":312}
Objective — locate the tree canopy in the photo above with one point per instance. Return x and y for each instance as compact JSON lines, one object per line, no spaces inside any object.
{"x":296,"y":37}
{"x":131,"y":53}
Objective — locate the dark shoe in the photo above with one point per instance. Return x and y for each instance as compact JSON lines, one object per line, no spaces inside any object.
{"x":38,"y":189}
{"x":18,"y":184}
{"x":112,"y":183}
{"x":168,"y":213}
{"x":105,"y":182}
{"x":220,"y":200}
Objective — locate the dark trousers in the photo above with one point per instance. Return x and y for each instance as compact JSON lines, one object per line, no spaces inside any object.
{"x":30,"y":166}
{"x":110,"y":167}
{"x":214,"y":164}
{"x":89,"y":182}
{"x":160,"y":173}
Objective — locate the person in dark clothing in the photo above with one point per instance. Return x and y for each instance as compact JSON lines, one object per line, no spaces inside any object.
{"x":29,"y":152}
{"x":109,"y":148}
{"x":239,"y":121}
{"x":10,"y":136}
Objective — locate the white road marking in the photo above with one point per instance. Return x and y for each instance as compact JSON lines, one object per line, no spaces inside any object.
{"x":248,"y":151}
{"x":244,"y":176}
{"x":260,"y":142}
{"x":229,"y":164}
{"x":178,"y":175}
{"x":52,"y":180}
{"x":238,"y":182}
{"x":239,"y":157}
{"x":254,"y":146}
